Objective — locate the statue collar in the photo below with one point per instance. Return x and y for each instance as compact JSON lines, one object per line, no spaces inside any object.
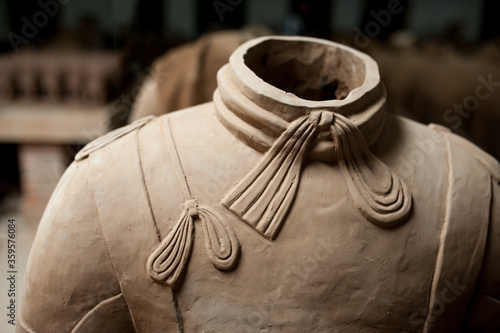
{"x":271,"y":81}
{"x":295,"y":98}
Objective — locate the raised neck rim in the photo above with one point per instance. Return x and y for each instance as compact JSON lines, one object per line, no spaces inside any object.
{"x":254,"y":86}
{"x":247,"y":104}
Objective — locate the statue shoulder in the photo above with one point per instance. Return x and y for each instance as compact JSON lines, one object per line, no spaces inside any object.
{"x":487,"y":161}
{"x":110,"y":137}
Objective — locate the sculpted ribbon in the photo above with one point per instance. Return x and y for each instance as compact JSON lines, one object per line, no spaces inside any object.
{"x":168,"y":261}
{"x":264,"y":197}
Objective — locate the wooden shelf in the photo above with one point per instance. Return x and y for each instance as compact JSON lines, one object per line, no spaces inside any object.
{"x":52,"y":124}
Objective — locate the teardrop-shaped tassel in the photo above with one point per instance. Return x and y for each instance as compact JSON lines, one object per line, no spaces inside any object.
{"x":381,"y":196}
{"x":263,"y":198}
{"x":168,"y":261}
{"x":221,"y":243}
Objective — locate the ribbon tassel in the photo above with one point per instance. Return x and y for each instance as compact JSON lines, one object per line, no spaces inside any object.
{"x":221,"y":243}
{"x":380,"y":195}
{"x":264,"y":197}
{"x":169,"y":260}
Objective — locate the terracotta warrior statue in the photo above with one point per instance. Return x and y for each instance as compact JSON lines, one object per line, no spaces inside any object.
{"x":186,"y":75}
{"x":291,"y":203}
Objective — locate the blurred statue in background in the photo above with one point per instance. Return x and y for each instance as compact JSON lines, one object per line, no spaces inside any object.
{"x":292,"y":202}
{"x":185,"y":76}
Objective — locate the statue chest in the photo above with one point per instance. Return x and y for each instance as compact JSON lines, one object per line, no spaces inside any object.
{"x":328,"y":269}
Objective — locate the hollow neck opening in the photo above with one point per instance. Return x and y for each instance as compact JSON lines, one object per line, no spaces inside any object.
{"x":311,"y":71}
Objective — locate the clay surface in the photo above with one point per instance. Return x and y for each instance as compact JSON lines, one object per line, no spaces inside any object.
{"x":291,"y":203}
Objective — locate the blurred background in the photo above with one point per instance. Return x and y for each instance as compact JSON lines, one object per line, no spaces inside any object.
{"x":71,"y":70}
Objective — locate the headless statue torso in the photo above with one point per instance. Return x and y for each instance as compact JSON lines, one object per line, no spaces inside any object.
{"x":291,"y":203}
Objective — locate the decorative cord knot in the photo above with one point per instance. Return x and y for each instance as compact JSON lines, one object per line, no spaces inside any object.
{"x":264,"y":197}
{"x":191,"y":207}
{"x":322,"y":120}
{"x":169,"y":260}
